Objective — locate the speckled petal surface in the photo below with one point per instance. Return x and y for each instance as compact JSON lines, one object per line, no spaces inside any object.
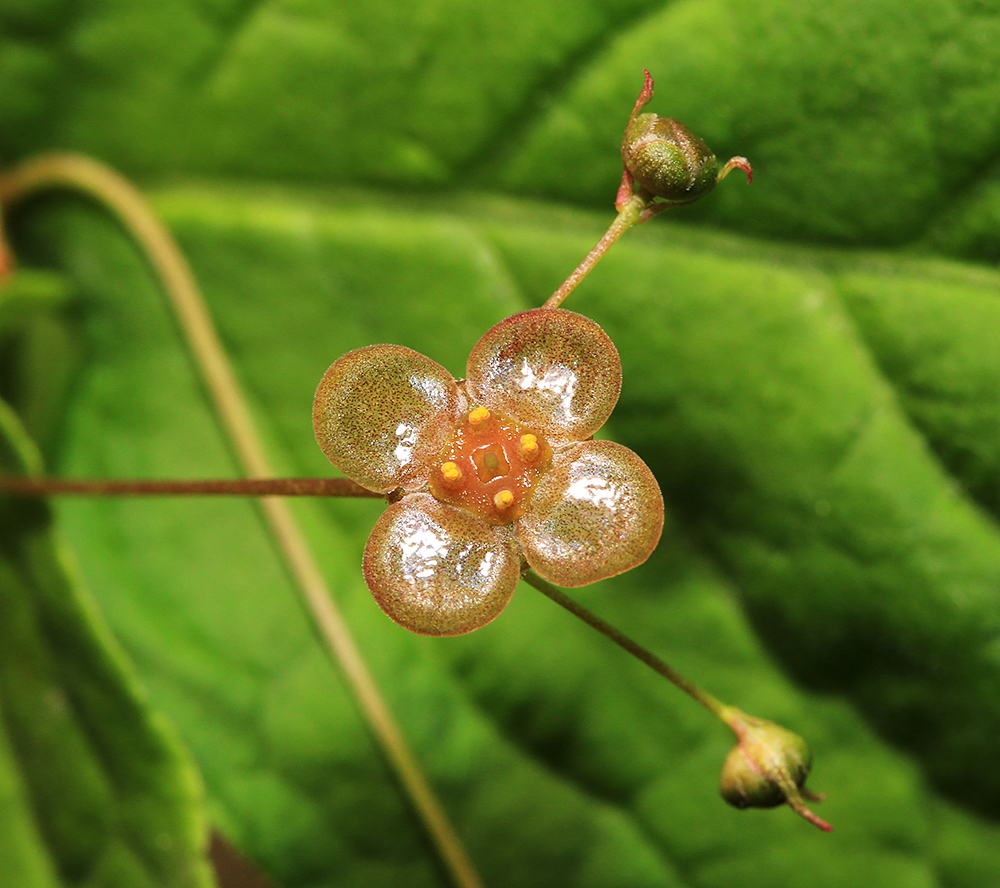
{"x":551,"y":369}
{"x":437,"y":569}
{"x":382,"y":412}
{"x":596,"y":513}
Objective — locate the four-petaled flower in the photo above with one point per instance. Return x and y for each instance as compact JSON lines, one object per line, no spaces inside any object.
{"x":489,"y":473}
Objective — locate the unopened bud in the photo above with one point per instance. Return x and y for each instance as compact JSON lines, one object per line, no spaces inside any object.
{"x":768,"y":766}
{"x":668,"y":160}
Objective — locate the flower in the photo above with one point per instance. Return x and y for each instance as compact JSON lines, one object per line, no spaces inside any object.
{"x":491,"y":473}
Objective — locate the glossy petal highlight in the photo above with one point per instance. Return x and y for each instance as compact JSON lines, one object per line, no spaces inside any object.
{"x":382,"y":413}
{"x":437,"y":569}
{"x":552,"y":369}
{"x":596,"y":513}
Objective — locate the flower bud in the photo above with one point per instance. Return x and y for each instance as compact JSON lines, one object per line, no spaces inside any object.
{"x":668,"y":160}
{"x":767,"y":767}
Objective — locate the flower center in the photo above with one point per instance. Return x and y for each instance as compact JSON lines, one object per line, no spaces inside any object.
{"x":490,"y":466}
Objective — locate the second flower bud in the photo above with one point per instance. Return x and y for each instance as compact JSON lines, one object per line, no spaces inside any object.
{"x":668,"y":160}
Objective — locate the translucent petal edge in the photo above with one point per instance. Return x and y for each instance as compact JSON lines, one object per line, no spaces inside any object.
{"x":369,"y":460}
{"x":437,"y":569}
{"x":597,"y":513}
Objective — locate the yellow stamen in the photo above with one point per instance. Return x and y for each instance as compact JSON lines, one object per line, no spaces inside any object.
{"x":478,"y":416}
{"x":451,"y":474}
{"x":528,"y":446}
{"x":503,"y":499}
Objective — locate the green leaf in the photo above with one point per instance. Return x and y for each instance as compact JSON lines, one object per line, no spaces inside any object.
{"x":823,"y":423}
{"x":35,"y":313}
{"x":94,"y":790}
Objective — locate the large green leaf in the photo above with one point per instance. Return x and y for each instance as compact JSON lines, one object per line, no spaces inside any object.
{"x":93,"y":791}
{"x":823,"y":423}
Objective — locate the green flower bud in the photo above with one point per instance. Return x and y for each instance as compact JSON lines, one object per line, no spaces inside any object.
{"x":767,"y":767}
{"x":668,"y":160}
{"x":750,"y":769}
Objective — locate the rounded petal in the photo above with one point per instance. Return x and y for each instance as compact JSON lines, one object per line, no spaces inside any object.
{"x":382,"y":413}
{"x":596,"y":513}
{"x":437,"y":569}
{"x":551,"y":369}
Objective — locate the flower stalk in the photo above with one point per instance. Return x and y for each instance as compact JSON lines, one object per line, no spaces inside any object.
{"x":629,"y":214}
{"x":334,"y":487}
{"x":642,"y":654}
{"x":664,"y":165}
{"x":767,"y":766}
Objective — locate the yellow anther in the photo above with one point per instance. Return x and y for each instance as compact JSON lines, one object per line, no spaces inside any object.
{"x":528,"y":446}
{"x":503,"y":499}
{"x":478,"y":416}
{"x":450,"y":473}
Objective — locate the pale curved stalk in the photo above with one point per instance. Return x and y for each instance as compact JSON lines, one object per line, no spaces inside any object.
{"x":128,"y":205}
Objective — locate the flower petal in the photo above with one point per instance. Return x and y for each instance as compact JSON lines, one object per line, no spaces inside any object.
{"x":437,"y":569}
{"x":382,"y":412}
{"x":596,"y":513}
{"x":549,"y":369}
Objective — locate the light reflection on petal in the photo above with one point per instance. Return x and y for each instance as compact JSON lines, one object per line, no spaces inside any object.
{"x":437,"y":569}
{"x":433,"y":388}
{"x":596,"y":513}
{"x":549,"y":369}
{"x":596,"y":491}
{"x":553,"y":380}
{"x":406,"y":438}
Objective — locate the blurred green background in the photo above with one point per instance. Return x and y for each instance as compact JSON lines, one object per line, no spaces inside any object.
{"x":811,"y":368}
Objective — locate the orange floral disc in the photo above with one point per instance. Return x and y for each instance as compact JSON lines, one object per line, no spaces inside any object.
{"x":490,"y":466}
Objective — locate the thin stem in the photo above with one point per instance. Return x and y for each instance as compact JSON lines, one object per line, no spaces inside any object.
{"x":628,"y":216}
{"x":716,"y":707}
{"x":115,"y":193}
{"x":6,"y":256}
{"x":741,"y":724}
{"x":341,"y":487}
